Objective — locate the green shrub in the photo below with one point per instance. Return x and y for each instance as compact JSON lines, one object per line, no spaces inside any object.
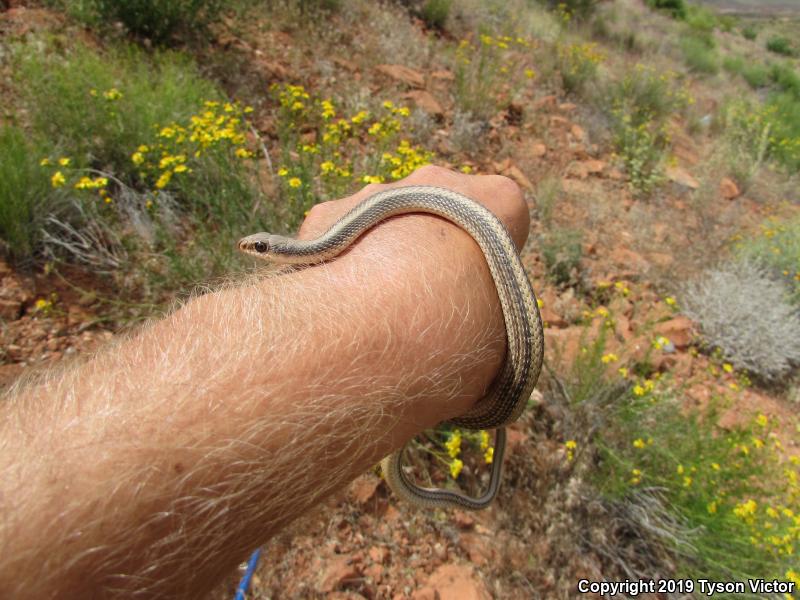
{"x":640,"y":106}
{"x":700,"y":19}
{"x":756,"y":75}
{"x":676,"y":8}
{"x":714,"y":495}
{"x":744,"y":313}
{"x":573,"y":9}
{"x":780,"y":45}
{"x":749,"y":32}
{"x":160,"y":20}
{"x":435,"y":12}
{"x":562,"y":250}
{"x":786,"y":78}
{"x":698,"y":56}
{"x":776,"y":247}
{"x":24,"y":193}
{"x":99,"y":108}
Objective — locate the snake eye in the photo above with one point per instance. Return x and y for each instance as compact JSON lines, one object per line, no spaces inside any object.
{"x":260,"y":247}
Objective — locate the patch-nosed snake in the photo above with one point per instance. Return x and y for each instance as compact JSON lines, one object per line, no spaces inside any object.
{"x":511,"y":389}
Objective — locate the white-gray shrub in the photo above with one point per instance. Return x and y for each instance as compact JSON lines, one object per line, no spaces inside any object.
{"x":745,"y":313}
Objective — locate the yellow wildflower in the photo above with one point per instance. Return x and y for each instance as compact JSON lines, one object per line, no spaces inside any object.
{"x":455,"y":468}
{"x":58,"y":179}
{"x":295,"y":182}
{"x":488,"y":456}
{"x":638,"y":443}
{"x":484,"y":439}
{"x":64,"y":162}
{"x":45,"y":162}
{"x":164,"y":180}
{"x":283,"y":171}
{"x":453,"y":444}
{"x":608,"y":358}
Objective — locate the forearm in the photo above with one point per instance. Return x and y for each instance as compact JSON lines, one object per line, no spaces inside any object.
{"x":158,"y":464}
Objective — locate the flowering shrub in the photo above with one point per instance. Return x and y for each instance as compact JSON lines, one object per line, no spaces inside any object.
{"x":324,"y":152}
{"x":490,"y":71}
{"x":578,"y":64}
{"x":641,"y":104}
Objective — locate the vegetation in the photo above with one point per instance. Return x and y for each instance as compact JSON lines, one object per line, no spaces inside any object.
{"x":744,"y":312}
{"x":24,"y":198}
{"x":139,"y":166}
{"x":780,"y":45}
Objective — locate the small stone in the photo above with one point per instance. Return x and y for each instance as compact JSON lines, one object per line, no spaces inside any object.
{"x":538,"y":149}
{"x":457,"y":582}
{"x":338,"y":571}
{"x":379,"y":554}
{"x":677,"y":330}
{"x":403,"y":74}
{"x":363,"y":489}
{"x":682,"y":177}
{"x":425,"y":101}
{"x":728,"y":189}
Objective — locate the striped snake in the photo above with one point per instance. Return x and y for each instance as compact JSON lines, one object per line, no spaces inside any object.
{"x":512,"y":388}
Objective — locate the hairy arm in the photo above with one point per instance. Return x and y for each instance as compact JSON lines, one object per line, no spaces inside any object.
{"x":154,"y":467}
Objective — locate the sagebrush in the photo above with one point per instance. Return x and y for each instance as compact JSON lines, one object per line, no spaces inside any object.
{"x":745,"y":313}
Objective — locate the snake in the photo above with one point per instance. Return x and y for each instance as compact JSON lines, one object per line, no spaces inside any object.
{"x":511,"y":389}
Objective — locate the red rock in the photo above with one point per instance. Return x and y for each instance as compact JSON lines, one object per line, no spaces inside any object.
{"x":363,"y":489}
{"x":338,"y":571}
{"x":403,"y":74}
{"x":457,"y":582}
{"x":425,"y":101}
{"x":462,"y":519}
{"x":379,"y":554}
{"x":551,"y":318}
{"x":538,"y":149}
{"x":548,"y":102}
{"x":10,"y":310}
{"x":578,"y":133}
{"x":728,"y":189}
{"x":425,"y":593}
{"x":518,"y":176}
{"x":556,"y":120}
{"x":476,"y":546}
{"x":443,"y":75}
{"x":516,"y":440}
{"x":682,"y":177}
{"x":374,"y":572}
{"x":678,"y":330}
{"x":594,"y":166}
{"x":567,"y":107}
{"x":626,"y":257}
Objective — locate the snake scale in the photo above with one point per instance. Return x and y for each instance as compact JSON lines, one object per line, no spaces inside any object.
{"x":511,"y":389}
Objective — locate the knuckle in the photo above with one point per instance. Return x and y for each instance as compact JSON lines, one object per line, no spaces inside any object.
{"x":507,"y":188}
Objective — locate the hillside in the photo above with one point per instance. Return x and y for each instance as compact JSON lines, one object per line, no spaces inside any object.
{"x":659,"y":156}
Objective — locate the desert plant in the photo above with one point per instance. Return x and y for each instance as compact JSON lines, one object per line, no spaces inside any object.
{"x":159,"y":20}
{"x":749,"y":32}
{"x":562,"y":250}
{"x":698,"y":56}
{"x":435,"y":12}
{"x":780,"y":45}
{"x":577,"y":65}
{"x":776,"y":247}
{"x":118,"y":97}
{"x":24,"y":193}
{"x":700,"y":19}
{"x":676,"y":8}
{"x":744,"y":312}
{"x":548,"y":191}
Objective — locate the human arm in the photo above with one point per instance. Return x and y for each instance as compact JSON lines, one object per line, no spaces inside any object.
{"x":156,"y":466}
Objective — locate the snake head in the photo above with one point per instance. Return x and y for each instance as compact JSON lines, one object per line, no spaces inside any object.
{"x":258,"y":245}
